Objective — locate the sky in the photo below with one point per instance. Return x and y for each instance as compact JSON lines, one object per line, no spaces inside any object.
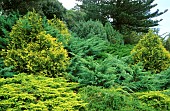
{"x":164,"y":25}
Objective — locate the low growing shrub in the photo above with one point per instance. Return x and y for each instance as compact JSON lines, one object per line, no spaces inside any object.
{"x":155,"y":99}
{"x":93,"y":46}
{"x":162,"y":80}
{"x":112,"y":99}
{"x":107,"y":72}
{"x":5,"y":71}
{"x":92,"y":65}
{"x":38,"y":93}
{"x":119,"y":50}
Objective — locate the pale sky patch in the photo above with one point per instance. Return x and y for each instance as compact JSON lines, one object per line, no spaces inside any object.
{"x":68,"y":4}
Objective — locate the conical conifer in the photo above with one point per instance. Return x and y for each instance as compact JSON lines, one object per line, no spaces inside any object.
{"x":151,"y":52}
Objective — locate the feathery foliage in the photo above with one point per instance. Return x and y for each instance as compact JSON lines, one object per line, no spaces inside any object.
{"x":162,"y":80}
{"x":92,"y":65}
{"x":35,"y":93}
{"x":158,"y":100}
{"x":93,"y":46}
{"x":117,"y":99}
{"x":89,"y":29}
{"x":5,"y":71}
{"x":113,"y":36}
{"x":6,"y":23}
{"x":119,"y":50}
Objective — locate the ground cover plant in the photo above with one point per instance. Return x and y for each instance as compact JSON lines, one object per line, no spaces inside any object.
{"x":117,"y":99}
{"x":5,"y":71}
{"x":38,"y":93}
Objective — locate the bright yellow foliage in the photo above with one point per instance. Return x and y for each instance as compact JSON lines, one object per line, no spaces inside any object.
{"x":151,"y":52}
{"x":61,"y":27}
{"x":155,"y":99}
{"x":33,"y":51}
{"x":38,"y":93}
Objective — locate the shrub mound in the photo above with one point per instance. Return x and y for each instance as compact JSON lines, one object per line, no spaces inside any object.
{"x":151,"y":52}
{"x":33,"y":51}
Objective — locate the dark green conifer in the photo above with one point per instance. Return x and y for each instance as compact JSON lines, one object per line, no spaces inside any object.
{"x":132,"y":14}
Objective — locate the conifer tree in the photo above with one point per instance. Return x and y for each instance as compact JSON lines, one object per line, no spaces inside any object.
{"x":32,"y":50}
{"x":151,"y":52}
{"x":132,"y":14}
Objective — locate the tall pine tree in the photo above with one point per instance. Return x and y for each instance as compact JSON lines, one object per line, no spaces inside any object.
{"x":135,"y":15}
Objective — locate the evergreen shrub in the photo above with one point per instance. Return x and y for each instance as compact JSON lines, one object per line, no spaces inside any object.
{"x":97,"y":48}
{"x":25,"y":30}
{"x":151,"y":52}
{"x":146,"y":81}
{"x":5,"y":71}
{"x":89,"y":29}
{"x":6,"y":23}
{"x":162,"y":80}
{"x":119,"y":50}
{"x":107,"y":72}
{"x":141,"y":80}
{"x":31,"y":50}
{"x":58,"y":29}
{"x":113,"y":99}
{"x":95,"y":28}
{"x":92,"y":65}
{"x":93,"y":46}
{"x":38,"y":93}
{"x":113,"y":36}
{"x":158,"y":100}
